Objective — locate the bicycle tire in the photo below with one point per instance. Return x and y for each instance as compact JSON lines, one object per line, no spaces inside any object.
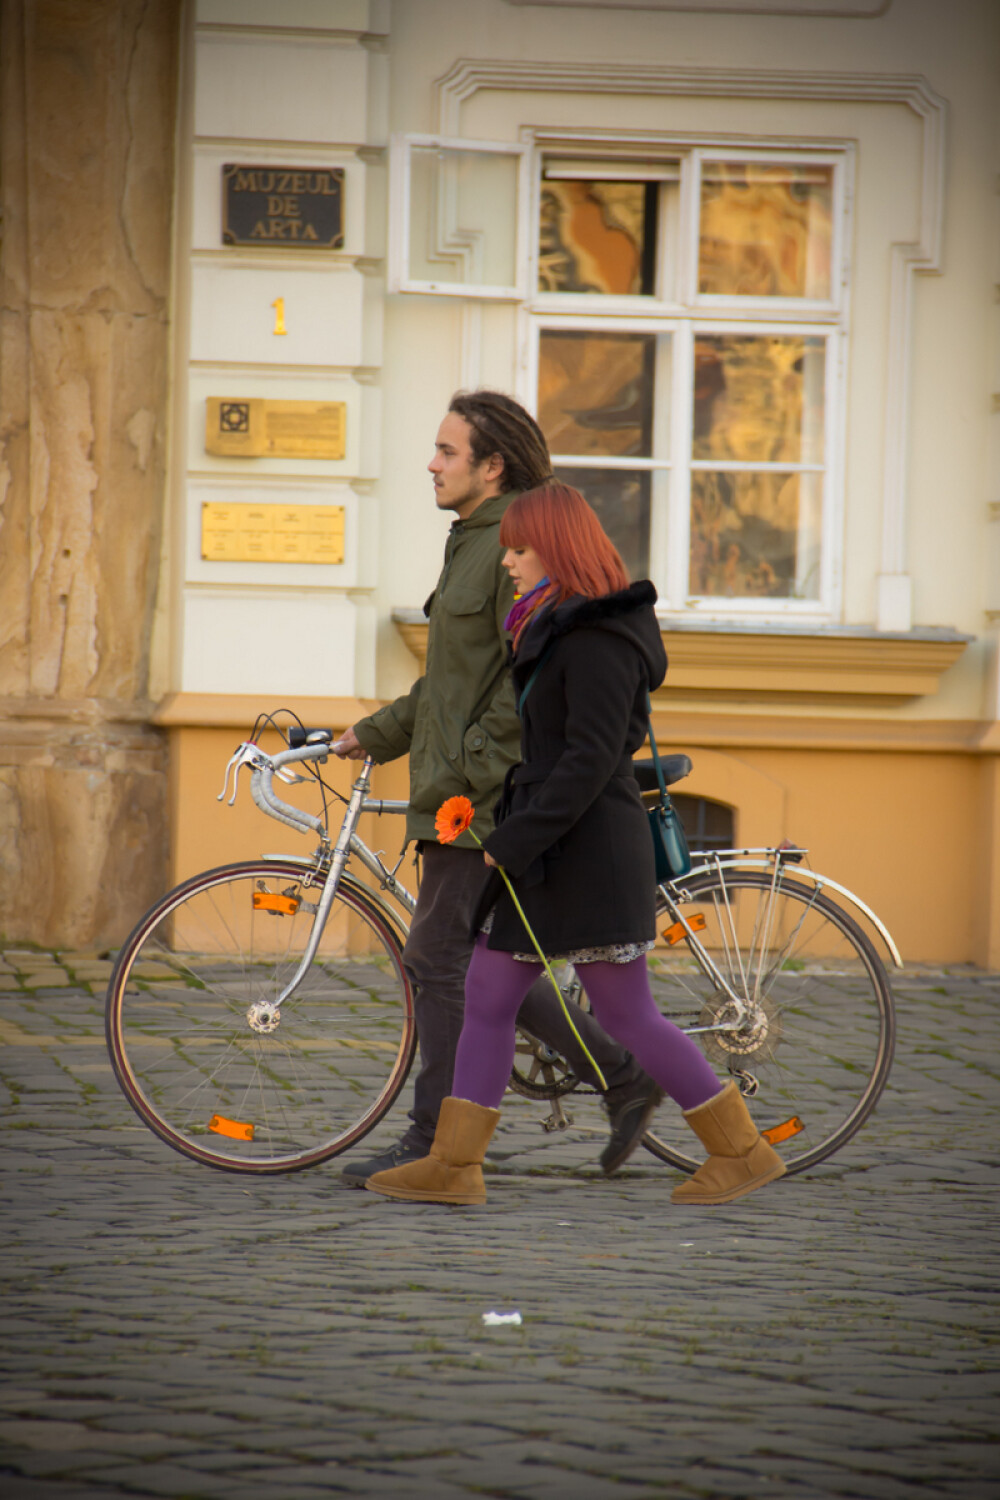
{"x":199,"y":1056}
{"x":818,"y":1042}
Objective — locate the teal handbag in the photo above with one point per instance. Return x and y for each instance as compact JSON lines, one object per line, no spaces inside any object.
{"x":670,"y":845}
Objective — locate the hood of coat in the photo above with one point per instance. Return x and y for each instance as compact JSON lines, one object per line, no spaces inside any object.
{"x":627,"y":613}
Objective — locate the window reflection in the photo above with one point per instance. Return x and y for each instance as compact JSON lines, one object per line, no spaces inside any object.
{"x":759,"y":399}
{"x":595,"y":392}
{"x":597,"y":237}
{"x":766,"y":230}
{"x":755,"y":535}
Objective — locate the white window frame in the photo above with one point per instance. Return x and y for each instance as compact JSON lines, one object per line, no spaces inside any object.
{"x":452,"y":238}
{"x":766,"y":307}
{"x":691,"y":313}
{"x":827,"y":601}
{"x":664,"y":458}
{"x":678,"y":310}
{"x":670,"y":517}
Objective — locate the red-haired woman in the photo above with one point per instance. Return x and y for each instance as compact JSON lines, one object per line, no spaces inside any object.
{"x":574,"y":838}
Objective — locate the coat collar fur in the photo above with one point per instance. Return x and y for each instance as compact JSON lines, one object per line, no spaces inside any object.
{"x":627,"y":613}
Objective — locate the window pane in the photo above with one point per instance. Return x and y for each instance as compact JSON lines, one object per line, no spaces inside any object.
{"x":759,"y":399}
{"x":596,"y":391}
{"x":766,"y":231}
{"x":621,"y":501}
{"x":755,"y":535}
{"x":457,"y":200}
{"x":597,"y":237}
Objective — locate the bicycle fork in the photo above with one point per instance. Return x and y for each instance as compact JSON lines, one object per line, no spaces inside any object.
{"x":339,"y":859}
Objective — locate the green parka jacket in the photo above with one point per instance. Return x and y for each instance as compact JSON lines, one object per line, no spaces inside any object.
{"x":459,"y":721}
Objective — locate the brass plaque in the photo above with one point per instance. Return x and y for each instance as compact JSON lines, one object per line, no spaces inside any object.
{"x":300,"y":206}
{"x":272,"y":533}
{"x":259,"y":428}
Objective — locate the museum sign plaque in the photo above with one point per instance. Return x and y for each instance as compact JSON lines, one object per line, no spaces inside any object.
{"x":253,"y":427}
{"x":301,"y":206}
{"x":272,"y":533}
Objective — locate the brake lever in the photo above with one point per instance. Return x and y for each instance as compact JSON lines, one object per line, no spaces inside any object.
{"x":246,"y":754}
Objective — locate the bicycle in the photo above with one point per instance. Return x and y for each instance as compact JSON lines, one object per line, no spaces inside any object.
{"x":259,"y":1018}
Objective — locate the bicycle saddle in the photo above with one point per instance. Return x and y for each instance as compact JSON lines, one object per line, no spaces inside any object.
{"x":675,"y":768}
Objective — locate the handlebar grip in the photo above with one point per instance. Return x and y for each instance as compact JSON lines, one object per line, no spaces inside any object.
{"x":260,"y":790}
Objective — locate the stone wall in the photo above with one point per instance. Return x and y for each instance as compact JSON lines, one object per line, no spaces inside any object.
{"x":87,"y":122}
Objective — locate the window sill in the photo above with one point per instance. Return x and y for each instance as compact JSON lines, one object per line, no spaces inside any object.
{"x":784,"y":664}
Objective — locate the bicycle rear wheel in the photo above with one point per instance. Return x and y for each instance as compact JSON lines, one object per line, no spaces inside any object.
{"x":208,"y":1063}
{"x":814,"y":1051}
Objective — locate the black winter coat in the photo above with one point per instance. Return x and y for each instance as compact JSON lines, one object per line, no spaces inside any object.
{"x":572,"y":833}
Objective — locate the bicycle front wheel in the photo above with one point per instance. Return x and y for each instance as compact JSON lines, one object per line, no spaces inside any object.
{"x":209,"y":1062}
{"x":813,"y":1048}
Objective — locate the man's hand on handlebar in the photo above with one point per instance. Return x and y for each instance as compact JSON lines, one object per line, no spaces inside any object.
{"x":348,"y":747}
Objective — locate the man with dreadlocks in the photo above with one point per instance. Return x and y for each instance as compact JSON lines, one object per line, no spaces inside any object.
{"x":459,"y":725}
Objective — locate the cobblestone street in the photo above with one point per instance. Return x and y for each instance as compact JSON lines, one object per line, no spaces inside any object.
{"x":174,"y":1331}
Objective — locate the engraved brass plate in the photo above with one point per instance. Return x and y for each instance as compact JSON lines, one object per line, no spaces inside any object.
{"x":300,"y":206}
{"x":258,"y":428}
{"x":272,"y":533}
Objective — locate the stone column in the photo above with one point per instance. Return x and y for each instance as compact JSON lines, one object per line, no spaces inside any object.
{"x":87,"y":125}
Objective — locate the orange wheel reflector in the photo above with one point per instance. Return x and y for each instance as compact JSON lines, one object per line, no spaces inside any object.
{"x":678,"y":932}
{"x":285,"y":906}
{"x":237,"y":1130}
{"x":784,"y":1131}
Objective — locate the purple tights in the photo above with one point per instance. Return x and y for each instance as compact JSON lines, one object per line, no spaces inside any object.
{"x":621,"y":1000}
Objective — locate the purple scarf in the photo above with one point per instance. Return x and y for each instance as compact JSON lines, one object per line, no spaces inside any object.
{"x":523,"y":608}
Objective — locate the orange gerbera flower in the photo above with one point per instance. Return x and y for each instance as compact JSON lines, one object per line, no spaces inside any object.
{"x":453,"y":818}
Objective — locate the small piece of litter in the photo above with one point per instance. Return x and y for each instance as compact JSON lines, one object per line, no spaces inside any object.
{"x":565,"y":1224}
{"x":494,"y":1319}
{"x":687,"y":1244}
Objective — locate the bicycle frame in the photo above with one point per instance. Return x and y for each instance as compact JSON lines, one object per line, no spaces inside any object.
{"x":333,"y":862}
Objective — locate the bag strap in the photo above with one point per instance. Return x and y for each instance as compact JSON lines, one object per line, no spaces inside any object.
{"x":531,"y":680}
{"x":664,"y":796}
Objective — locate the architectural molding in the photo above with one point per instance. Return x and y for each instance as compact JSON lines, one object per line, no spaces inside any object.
{"x":784,"y":666}
{"x":240,"y":710}
{"x":910,"y":91}
{"x":846,"y":10}
{"x":680,"y":727}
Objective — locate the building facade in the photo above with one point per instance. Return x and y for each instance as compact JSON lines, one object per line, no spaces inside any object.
{"x":740,"y":259}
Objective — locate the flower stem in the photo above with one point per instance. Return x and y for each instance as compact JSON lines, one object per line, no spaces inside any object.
{"x":548,"y":969}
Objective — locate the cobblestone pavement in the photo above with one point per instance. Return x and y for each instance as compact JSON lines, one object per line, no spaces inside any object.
{"x":174,"y":1331}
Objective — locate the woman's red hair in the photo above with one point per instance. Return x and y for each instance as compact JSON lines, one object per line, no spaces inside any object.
{"x":555,"y":521}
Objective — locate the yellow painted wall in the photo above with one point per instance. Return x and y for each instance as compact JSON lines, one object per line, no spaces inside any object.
{"x":915,"y":835}
{"x":897,"y":829}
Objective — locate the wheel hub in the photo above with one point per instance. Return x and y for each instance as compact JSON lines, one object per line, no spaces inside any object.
{"x":757,"y":1036}
{"x":264,"y":1017}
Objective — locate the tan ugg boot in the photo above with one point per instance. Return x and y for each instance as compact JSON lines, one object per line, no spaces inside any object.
{"x":453,"y":1173}
{"x":739,"y":1158}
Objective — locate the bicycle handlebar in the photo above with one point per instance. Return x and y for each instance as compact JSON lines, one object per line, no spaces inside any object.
{"x":264,"y":767}
{"x":261,"y":778}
